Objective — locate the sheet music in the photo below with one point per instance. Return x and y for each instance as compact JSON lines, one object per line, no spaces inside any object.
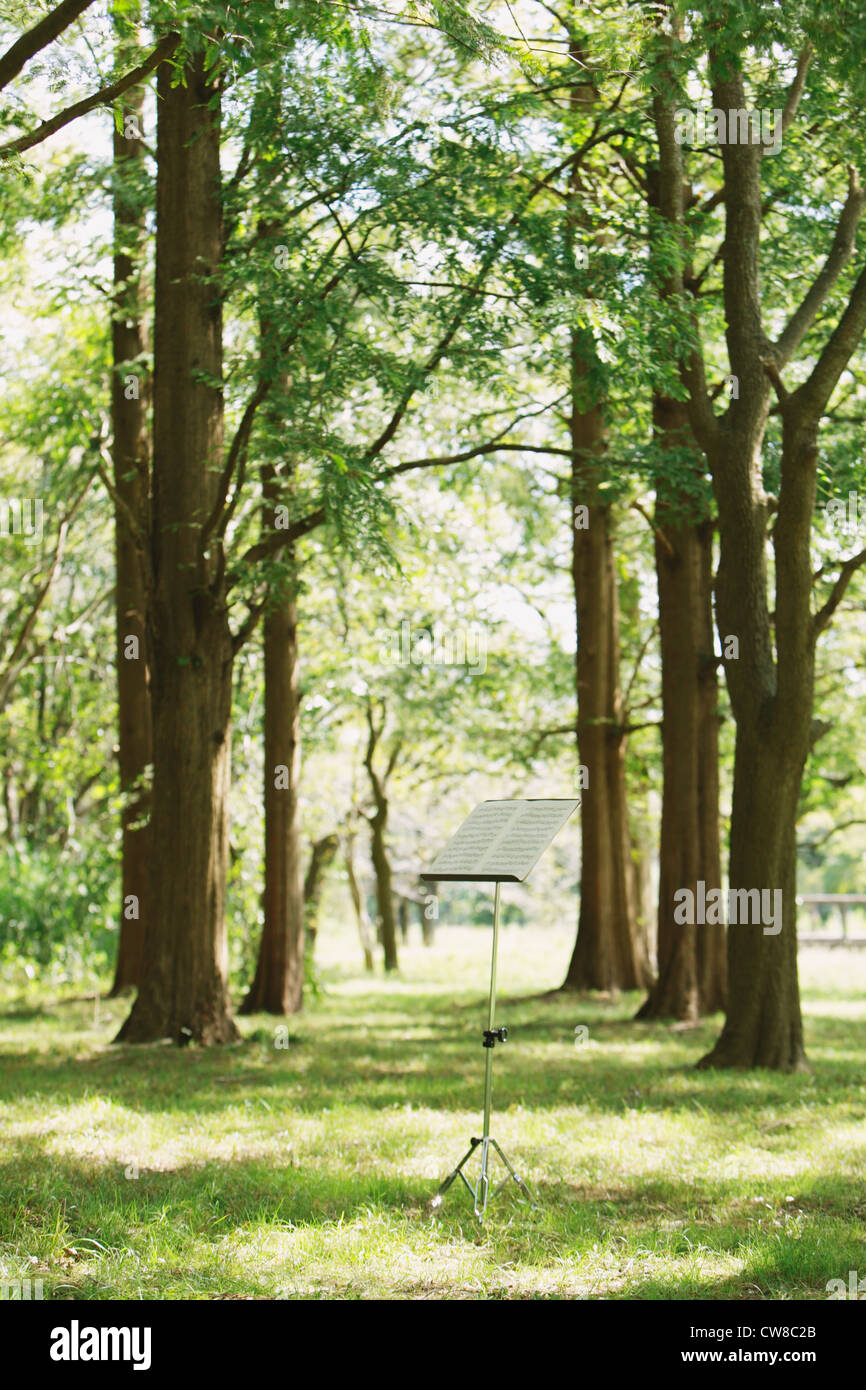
{"x":501,"y":840}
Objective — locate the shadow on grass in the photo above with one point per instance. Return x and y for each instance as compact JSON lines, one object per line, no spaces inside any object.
{"x":425,"y":1051}
{"x":577,"y":1232}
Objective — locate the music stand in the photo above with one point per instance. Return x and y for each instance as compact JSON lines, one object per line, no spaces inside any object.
{"x":499,"y":842}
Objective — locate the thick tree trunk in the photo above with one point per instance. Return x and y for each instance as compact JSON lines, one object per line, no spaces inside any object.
{"x":183,"y":993}
{"x":763,"y":1027}
{"x":688,"y":955}
{"x":132,"y":487}
{"x":770,"y":676}
{"x":278,"y":984}
{"x":609,"y":953}
{"x":690,"y":958}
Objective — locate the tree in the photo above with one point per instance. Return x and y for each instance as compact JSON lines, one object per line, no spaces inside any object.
{"x":322,"y":853}
{"x":691,"y":974}
{"x":131,"y":493}
{"x":608,"y":953}
{"x":278,"y":983}
{"x":378,"y":822}
{"x":359,"y":904}
{"x":197,"y":486}
{"x":770,"y":673}
{"x":315,"y":314}
{"x":183,"y":991}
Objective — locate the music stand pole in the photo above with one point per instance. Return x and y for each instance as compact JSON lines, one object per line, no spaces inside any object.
{"x":489,"y":1040}
{"x":491,"y":1037}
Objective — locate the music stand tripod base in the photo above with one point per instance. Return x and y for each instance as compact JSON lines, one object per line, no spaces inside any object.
{"x":479,"y":1194}
{"x":491,"y":1037}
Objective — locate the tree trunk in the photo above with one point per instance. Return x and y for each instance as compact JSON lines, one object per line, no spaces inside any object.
{"x":403,"y":919}
{"x":640,"y":877}
{"x":688,"y":955}
{"x":321,"y":858}
{"x":378,"y":823}
{"x":690,"y":958}
{"x":365,"y":931}
{"x":608,"y":954}
{"x":771,"y":676}
{"x":675,"y":992}
{"x":183,"y":993}
{"x":132,"y":488}
{"x":711,"y":943}
{"x":763,"y":1027}
{"x":384,"y":888}
{"x":278,"y":984}
{"x":279,"y":979}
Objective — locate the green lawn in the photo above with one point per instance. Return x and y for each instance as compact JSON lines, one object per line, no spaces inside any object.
{"x":303,"y":1171}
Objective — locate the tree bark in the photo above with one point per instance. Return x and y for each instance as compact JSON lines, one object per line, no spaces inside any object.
{"x":711,"y":940}
{"x":689,"y":975}
{"x":609,"y":953}
{"x":183,"y":993}
{"x":365,"y":931}
{"x":378,"y":823}
{"x":403,"y":919}
{"x":383,"y":876}
{"x":644,"y":909}
{"x":132,"y":488}
{"x":763,"y":1027}
{"x":278,"y":984}
{"x":690,"y":958}
{"x":321,"y":857}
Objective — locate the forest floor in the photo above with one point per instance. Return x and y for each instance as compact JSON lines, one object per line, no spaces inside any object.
{"x":305,"y":1171}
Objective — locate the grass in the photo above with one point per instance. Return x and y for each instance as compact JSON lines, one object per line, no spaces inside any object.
{"x":261,"y":1171}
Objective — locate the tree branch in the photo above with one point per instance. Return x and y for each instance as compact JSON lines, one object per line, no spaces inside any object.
{"x":250,"y":623}
{"x":306,"y":524}
{"x":834,"y":830}
{"x":103,"y":97}
{"x":657,"y":531}
{"x":390,"y":429}
{"x":40,"y":36}
{"x":14,"y":664}
{"x":797,"y":87}
{"x":810,"y":400}
{"x":839,"y":254}
{"x":671,"y":207}
{"x":220,"y":515}
{"x":821,"y":619}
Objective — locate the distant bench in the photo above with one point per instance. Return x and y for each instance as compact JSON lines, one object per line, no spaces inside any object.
{"x":842,"y":901}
